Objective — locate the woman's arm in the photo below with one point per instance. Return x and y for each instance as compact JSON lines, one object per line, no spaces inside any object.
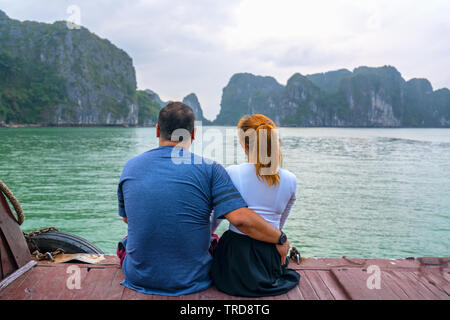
{"x":290,"y":204}
{"x":287,"y":210}
{"x":253,"y":225}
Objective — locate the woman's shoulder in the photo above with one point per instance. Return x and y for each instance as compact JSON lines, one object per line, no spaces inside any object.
{"x":288,"y":176}
{"x":239,"y":167}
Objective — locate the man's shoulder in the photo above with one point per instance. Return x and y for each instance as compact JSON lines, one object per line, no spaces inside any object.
{"x":137,"y":159}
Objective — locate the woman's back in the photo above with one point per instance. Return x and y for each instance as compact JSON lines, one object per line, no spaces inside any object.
{"x":243,"y":266}
{"x":273,"y":203}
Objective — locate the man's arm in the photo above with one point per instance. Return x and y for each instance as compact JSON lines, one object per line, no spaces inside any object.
{"x":254,"y":226}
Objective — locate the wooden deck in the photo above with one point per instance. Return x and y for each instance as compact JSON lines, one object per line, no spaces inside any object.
{"x":321,"y":279}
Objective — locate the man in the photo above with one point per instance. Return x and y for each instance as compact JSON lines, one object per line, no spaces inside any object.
{"x":166,"y":195}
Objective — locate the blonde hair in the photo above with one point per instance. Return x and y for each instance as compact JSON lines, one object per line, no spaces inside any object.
{"x":265,"y":153}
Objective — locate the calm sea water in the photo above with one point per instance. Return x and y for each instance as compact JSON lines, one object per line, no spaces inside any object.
{"x":361,"y":192}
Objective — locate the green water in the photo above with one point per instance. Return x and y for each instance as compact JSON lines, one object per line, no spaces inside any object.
{"x":361,"y":192}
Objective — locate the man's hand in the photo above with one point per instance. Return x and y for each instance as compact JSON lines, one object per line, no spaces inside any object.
{"x":283,"y":250}
{"x":253,"y":225}
{"x":125,"y":220}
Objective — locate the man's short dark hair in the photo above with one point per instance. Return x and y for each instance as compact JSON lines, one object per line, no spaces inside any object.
{"x":176,"y":115}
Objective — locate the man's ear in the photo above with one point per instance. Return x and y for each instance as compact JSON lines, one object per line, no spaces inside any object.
{"x":157,"y":131}
{"x":193,"y":134}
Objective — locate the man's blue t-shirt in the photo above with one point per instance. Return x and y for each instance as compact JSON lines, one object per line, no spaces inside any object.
{"x":168,"y":206}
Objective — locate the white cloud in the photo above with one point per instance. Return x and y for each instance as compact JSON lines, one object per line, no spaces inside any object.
{"x":183,"y":46}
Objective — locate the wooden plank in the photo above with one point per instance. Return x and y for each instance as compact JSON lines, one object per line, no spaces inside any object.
{"x":88,"y":284}
{"x":306,"y":288}
{"x":439,"y":278}
{"x":340,"y":263}
{"x":280,"y":297}
{"x":295,"y":294}
{"x":333,"y":285}
{"x":129,"y":294}
{"x":115,"y":291}
{"x":55,"y":285}
{"x":425,"y":284}
{"x":354,"y":282}
{"x":408,"y":286}
{"x":10,"y":289}
{"x":160,"y":297}
{"x":13,"y":235}
{"x":394,"y":286}
{"x":68,"y":293}
{"x":48,"y":281}
{"x":319,"y":286}
{"x":13,"y":287}
{"x":7,"y":262}
{"x":29,"y":289}
{"x":17,"y":286}
{"x":212,"y":294}
{"x":103,"y":279}
{"x":2,"y":246}
{"x":144,"y":296}
{"x":194,"y":296}
{"x":17,"y":274}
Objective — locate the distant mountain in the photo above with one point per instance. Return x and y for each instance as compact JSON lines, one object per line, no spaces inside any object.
{"x":150,"y":104}
{"x":329,"y":81}
{"x":156,"y":97}
{"x":192,"y":101}
{"x":366,"y":97}
{"x":51,"y":74}
{"x":246,"y":94}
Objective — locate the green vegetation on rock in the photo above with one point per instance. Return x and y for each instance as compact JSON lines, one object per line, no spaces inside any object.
{"x":28,"y":92}
{"x":366,"y":97}
{"x":148,"y":108}
{"x":59,"y":76}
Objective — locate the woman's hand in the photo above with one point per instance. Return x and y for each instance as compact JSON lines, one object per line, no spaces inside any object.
{"x":283,"y":250}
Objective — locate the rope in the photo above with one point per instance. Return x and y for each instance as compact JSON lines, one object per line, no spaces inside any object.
{"x":17,"y":207}
{"x":29,"y":237}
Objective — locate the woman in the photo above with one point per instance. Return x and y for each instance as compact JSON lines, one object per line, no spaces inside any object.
{"x":243,"y":266}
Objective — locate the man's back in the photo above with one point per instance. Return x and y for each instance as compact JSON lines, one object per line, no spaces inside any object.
{"x":168,"y":206}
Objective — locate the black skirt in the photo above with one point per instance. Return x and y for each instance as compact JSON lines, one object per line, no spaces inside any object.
{"x":245,"y":267}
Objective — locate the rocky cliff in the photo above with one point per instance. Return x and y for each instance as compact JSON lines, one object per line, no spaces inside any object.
{"x":150,"y":104}
{"x":247,"y":94}
{"x":192,"y":101}
{"x":366,"y":97}
{"x":154,"y":96}
{"x":51,"y":74}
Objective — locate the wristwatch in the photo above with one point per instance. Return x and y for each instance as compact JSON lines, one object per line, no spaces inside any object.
{"x":282,"y":239}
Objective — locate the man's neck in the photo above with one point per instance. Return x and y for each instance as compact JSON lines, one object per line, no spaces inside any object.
{"x":165,"y":143}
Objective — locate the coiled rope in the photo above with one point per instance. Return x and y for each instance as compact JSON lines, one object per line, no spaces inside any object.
{"x":15,"y":203}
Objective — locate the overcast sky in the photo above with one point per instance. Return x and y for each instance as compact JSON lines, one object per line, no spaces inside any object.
{"x":184,"y":46}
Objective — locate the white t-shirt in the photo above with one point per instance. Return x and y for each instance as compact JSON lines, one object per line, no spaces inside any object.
{"x":272,"y":203}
